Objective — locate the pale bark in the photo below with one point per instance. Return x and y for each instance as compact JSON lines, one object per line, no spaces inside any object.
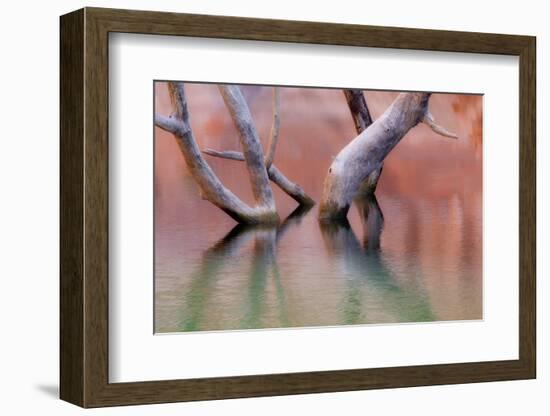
{"x":366,"y":153}
{"x":210,"y":186}
{"x":250,"y":143}
{"x":275,"y":175}
{"x":362,"y":119}
{"x":274,"y":134}
{"x":292,"y":189}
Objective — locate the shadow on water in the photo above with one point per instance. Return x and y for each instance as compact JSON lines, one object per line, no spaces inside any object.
{"x":368,"y":278}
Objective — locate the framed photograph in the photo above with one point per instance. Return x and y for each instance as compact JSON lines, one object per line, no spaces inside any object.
{"x":256,"y":207}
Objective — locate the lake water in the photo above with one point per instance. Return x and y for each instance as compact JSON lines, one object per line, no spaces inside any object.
{"x":412,"y":254}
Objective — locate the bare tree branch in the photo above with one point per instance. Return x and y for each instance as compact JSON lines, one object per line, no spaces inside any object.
{"x":292,"y":189}
{"x":367,"y":152}
{"x":210,"y":186}
{"x":166,"y":123}
{"x":179,"y":102}
{"x":250,"y":142}
{"x":274,"y":134}
{"x":358,"y":108}
{"x":226,"y":154}
{"x":362,"y":119}
{"x":429,"y":120}
{"x":274,"y":174}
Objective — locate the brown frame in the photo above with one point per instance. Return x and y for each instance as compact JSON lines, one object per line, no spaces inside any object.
{"x":84,"y":207}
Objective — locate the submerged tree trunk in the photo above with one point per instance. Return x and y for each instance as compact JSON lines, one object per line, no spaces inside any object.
{"x":373,"y":221}
{"x":366,"y":153}
{"x":251,"y":145}
{"x":210,"y":186}
{"x":292,"y":189}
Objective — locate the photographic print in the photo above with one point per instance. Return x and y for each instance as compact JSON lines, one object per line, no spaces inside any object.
{"x":293,"y":207}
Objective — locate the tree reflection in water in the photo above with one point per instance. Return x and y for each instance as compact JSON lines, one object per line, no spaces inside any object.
{"x":361,"y":265}
{"x":364,"y":267}
{"x":264,"y":261}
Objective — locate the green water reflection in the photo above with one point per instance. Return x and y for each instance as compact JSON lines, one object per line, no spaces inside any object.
{"x":364,"y":277}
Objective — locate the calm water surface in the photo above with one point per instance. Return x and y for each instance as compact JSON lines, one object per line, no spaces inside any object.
{"x":412,"y":254}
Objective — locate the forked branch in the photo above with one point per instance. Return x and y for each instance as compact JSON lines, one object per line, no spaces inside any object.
{"x":250,"y":143}
{"x":292,"y":189}
{"x":366,"y":153}
{"x":210,"y":186}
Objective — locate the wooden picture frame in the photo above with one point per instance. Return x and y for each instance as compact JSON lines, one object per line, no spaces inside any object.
{"x":84,"y":207}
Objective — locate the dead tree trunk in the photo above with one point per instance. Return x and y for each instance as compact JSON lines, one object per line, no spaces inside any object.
{"x":210,"y":186}
{"x":362,"y":119}
{"x":292,"y":189}
{"x":365,"y":154}
{"x":251,"y":145}
{"x":359,"y":109}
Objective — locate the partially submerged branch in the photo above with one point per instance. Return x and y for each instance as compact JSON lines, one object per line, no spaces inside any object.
{"x":210,"y":186}
{"x":274,"y":174}
{"x":373,"y":220}
{"x":292,"y":189}
{"x":250,"y":142}
{"x":366,"y":153}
